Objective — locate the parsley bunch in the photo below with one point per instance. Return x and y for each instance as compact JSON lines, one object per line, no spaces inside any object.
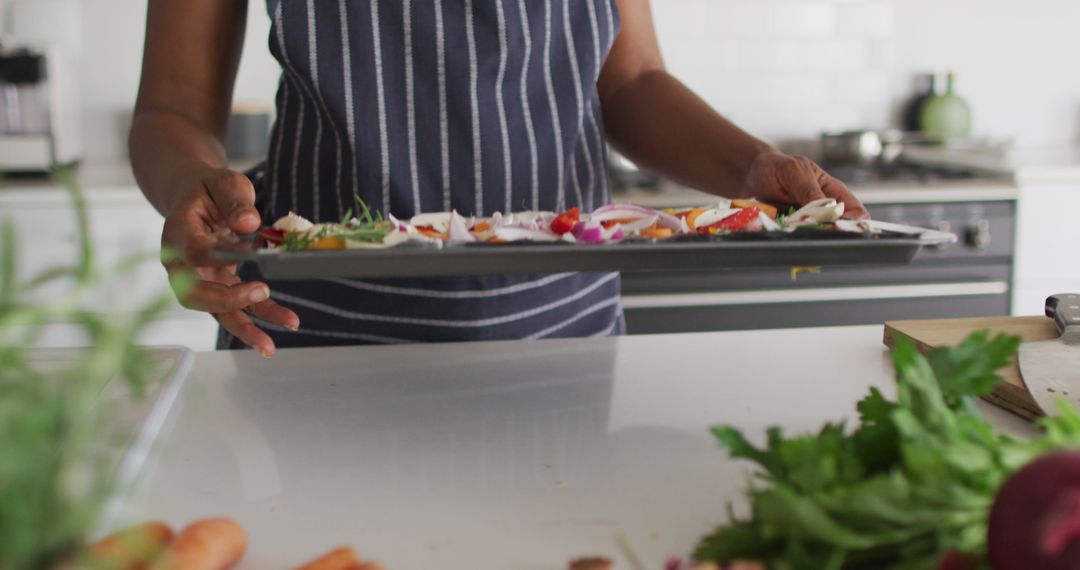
{"x":915,"y":480}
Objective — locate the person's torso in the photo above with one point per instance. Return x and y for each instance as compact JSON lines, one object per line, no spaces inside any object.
{"x":428,"y":105}
{"x":431,"y":105}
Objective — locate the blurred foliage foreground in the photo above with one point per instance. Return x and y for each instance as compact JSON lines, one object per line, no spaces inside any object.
{"x":58,"y":442}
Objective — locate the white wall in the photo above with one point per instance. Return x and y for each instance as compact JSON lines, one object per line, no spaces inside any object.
{"x":782,"y":68}
{"x":1016,"y":60}
{"x":793,"y":67}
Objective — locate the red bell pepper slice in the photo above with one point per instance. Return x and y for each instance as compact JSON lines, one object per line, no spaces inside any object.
{"x":272,"y":236}
{"x":738,"y":221}
{"x":565,"y":221}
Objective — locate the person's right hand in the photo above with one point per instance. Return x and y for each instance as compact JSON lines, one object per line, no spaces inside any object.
{"x":220,"y":203}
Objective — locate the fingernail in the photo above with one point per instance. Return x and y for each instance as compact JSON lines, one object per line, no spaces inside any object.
{"x":246,"y":218}
{"x":265,"y":354}
{"x":259,"y":295}
{"x":293,"y":328}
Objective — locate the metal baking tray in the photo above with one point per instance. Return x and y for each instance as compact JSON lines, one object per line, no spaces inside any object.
{"x":897,"y":245}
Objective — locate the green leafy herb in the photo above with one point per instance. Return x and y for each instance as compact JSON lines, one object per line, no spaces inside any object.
{"x":915,"y":479}
{"x":364,"y":228}
{"x":365,"y":211}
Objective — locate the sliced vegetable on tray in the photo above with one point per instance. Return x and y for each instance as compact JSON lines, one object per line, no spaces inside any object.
{"x":609,"y":224}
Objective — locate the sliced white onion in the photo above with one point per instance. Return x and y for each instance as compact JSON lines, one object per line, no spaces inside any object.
{"x":510,"y":233}
{"x":293,"y":223}
{"x":439,"y":221}
{"x":820,"y":211}
{"x":400,"y":225}
{"x":767,"y":223}
{"x":400,"y":237}
{"x":458,"y":229}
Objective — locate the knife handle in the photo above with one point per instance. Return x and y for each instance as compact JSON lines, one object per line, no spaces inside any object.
{"x":1065,"y":310}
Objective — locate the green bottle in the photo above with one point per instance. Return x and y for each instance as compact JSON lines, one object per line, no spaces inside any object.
{"x":947,"y":114}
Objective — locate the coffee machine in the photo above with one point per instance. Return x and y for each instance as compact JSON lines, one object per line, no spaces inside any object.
{"x":39,"y":110}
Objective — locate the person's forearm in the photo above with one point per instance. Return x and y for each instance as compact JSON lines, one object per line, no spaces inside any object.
{"x":169,"y":153}
{"x":680,"y":136}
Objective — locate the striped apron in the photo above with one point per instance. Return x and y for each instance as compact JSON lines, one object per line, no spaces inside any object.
{"x":431,"y":105}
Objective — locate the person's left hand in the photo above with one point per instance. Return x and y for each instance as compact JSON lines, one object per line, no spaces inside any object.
{"x":782,"y":179}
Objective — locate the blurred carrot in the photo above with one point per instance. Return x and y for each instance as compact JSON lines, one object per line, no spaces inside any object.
{"x":594,"y":563}
{"x":132,"y":548}
{"x":337,"y":559}
{"x":209,"y":544}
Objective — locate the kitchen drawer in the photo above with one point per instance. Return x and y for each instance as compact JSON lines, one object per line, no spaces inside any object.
{"x":768,"y":309}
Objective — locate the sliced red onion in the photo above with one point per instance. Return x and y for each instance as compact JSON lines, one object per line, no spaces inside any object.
{"x":673,"y":223}
{"x":632,"y":211}
{"x":630,"y":228}
{"x":615,"y":233}
{"x":620,"y":212}
{"x":589,"y":232}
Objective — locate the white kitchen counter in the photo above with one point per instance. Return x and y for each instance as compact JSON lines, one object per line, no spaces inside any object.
{"x":1033,"y":165}
{"x":512,"y":455}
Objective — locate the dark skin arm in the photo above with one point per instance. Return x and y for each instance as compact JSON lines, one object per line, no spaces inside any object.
{"x":657,"y":122}
{"x":189,"y":66}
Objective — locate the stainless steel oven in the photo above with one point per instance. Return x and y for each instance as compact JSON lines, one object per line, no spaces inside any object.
{"x":970,"y":278}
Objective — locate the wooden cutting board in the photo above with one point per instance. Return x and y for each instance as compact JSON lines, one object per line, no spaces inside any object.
{"x":1011,"y":395}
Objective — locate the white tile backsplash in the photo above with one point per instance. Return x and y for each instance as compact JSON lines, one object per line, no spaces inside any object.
{"x":784,"y":68}
{"x":761,"y":62}
{"x":871,"y":18}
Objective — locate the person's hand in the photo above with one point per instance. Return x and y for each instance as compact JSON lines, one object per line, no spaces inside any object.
{"x":221,"y":202}
{"x":778,"y":178}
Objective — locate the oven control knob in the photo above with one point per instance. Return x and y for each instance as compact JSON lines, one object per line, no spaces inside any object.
{"x":943,"y":226}
{"x":977,"y":235}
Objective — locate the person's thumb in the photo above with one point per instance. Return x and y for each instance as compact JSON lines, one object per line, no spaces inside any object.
{"x":234,"y":196}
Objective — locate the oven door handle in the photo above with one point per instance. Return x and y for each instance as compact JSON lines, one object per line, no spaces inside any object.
{"x":815,"y":295}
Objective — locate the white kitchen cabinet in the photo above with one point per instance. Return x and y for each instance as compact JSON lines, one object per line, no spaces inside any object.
{"x":1047,"y":261}
{"x":122,"y":223}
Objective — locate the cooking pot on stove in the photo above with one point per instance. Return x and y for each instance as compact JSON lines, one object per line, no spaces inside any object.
{"x":869,"y":147}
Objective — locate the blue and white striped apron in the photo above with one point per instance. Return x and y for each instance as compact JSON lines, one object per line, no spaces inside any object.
{"x":428,"y":105}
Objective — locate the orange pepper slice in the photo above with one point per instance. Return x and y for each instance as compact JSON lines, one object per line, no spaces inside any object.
{"x":329,"y":242}
{"x":693,"y":215}
{"x":657,"y":233}
{"x":482,"y":227}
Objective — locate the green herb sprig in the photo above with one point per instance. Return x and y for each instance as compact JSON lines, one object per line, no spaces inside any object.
{"x":365,"y":228}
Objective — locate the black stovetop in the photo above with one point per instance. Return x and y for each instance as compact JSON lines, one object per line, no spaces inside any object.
{"x":899,"y":172}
